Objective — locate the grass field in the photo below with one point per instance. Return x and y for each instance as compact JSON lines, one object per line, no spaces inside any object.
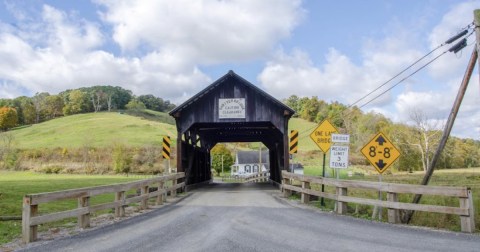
{"x":93,"y":129}
{"x":14,"y":185}
{"x":305,"y":128}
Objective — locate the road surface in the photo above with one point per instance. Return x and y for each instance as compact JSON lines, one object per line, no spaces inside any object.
{"x":250,"y":217}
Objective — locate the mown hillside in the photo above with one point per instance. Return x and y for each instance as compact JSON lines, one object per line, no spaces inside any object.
{"x":93,"y":129}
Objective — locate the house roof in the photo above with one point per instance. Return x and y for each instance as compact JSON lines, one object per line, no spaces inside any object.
{"x":251,"y":157}
{"x":221,"y":81}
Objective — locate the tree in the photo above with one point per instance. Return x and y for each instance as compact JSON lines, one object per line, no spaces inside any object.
{"x":426,"y":135}
{"x":311,"y":109}
{"x":39,"y":105}
{"x":76,"y":102}
{"x":8,"y":118}
{"x":97,"y":97}
{"x":135,"y":105}
{"x":219,"y":152}
{"x":54,"y":105}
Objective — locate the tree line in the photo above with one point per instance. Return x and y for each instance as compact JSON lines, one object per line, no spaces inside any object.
{"x":43,"y":106}
{"x":417,"y":142}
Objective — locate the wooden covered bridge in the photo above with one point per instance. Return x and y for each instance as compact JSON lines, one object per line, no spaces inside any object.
{"x":231,"y":109}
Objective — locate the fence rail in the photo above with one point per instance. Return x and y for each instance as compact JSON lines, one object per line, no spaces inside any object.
{"x":256,"y":177}
{"x":31,"y":219}
{"x":464,"y":194}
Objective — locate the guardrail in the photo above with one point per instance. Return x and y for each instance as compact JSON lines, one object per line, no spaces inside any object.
{"x":31,"y":219}
{"x":464,"y":194}
{"x":258,"y":177}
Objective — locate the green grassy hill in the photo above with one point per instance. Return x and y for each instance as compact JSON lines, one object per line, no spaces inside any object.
{"x":103,"y":129}
{"x":93,"y":129}
{"x":305,"y":128}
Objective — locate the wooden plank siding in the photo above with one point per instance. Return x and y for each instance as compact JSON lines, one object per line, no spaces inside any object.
{"x":31,"y":219}
{"x":465,"y":210}
{"x":200,"y":126}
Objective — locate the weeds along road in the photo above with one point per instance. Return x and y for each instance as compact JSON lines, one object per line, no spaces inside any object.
{"x":247,"y":217}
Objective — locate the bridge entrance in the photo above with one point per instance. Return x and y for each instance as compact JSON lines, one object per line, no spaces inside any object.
{"x":231,"y":109}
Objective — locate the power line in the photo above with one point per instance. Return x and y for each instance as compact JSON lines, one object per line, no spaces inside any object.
{"x":457,"y":47}
{"x":450,"y":40}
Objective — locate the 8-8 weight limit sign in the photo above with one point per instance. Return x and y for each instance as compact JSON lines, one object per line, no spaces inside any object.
{"x":380,"y":152}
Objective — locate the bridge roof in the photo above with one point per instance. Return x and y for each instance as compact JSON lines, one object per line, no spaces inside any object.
{"x":223,"y":80}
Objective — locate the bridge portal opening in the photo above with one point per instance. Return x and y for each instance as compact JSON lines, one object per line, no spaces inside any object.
{"x":239,"y":160}
{"x":231,"y":109}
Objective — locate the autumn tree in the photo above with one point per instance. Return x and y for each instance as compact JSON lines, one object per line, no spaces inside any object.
{"x":219,"y":152}
{"x":8,"y":118}
{"x":76,"y":102}
{"x":54,"y":106}
{"x":135,"y":105}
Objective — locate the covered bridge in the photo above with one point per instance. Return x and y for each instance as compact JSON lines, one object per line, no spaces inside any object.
{"x":231,"y":109}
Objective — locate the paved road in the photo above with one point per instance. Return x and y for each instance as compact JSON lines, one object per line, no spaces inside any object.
{"x":247,"y":217}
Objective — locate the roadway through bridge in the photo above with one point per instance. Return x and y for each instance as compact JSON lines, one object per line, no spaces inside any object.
{"x":253,"y":217}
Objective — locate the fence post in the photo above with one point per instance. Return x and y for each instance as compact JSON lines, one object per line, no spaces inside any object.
{"x":160,"y":194}
{"x":305,"y":198}
{"x":144,"y":192}
{"x":174,"y":185}
{"x":286,"y":192}
{"x":393,"y":214}
{"x":467,"y":222}
{"x":84,"y":219}
{"x":29,"y":232}
{"x":120,"y":210}
{"x":341,"y":206}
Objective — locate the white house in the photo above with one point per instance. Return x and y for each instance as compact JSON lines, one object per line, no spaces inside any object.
{"x":248,"y":162}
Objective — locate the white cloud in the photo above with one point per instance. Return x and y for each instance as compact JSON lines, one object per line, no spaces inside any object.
{"x":205,"y":32}
{"x":339,"y":78}
{"x":163,"y":50}
{"x":449,"y":65}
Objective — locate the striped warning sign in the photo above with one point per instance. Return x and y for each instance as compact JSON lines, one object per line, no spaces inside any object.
{"x":166,"y":147}
{"x":293,"y":141}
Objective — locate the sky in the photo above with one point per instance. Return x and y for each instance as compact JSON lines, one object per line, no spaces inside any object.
{"x":333,"y":49}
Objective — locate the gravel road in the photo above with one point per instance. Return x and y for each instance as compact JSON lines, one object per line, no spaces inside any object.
{"x":251,"y":217}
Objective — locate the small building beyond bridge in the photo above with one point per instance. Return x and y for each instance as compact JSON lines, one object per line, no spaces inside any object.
{"x":231,"y":109}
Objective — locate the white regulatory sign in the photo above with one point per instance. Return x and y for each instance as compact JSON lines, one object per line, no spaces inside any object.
{"x":340,"y":138}
{"x":339,"y":157}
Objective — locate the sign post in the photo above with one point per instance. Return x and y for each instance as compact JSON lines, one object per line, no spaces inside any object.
{"x":381,"y":153}
{"x":167,"y":141}
{"x":322,"y":137}
{"x":293,"y":147}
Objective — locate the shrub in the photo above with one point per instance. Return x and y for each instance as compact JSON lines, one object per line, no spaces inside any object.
{"x":121,"y":158}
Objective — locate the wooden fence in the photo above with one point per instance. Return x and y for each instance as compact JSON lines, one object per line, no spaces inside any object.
{"x":464,"y":194}
{"x":256,"y":177}
{"x":31,"y":219}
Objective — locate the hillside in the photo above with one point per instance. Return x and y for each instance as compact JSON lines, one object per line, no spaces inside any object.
{"x":93,"y":129}
{"x":305,"y":128}
{"x":102,"y":129}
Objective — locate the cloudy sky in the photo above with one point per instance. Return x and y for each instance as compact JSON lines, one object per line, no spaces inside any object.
{"x":336,"y":50}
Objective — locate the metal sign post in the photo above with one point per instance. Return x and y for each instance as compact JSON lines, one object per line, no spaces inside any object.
{"x":381,"y":153}
{"x":322,"y":136}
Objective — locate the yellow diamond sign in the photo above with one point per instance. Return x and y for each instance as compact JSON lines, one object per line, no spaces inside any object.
{"x":381,"y":152}
{"x":322,"y":135}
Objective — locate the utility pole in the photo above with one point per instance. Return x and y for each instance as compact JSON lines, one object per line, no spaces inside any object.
{"x":476,"y":23}
{"x":448,"y":126}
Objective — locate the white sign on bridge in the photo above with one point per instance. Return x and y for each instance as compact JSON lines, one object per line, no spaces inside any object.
{"x":339,"y":157}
